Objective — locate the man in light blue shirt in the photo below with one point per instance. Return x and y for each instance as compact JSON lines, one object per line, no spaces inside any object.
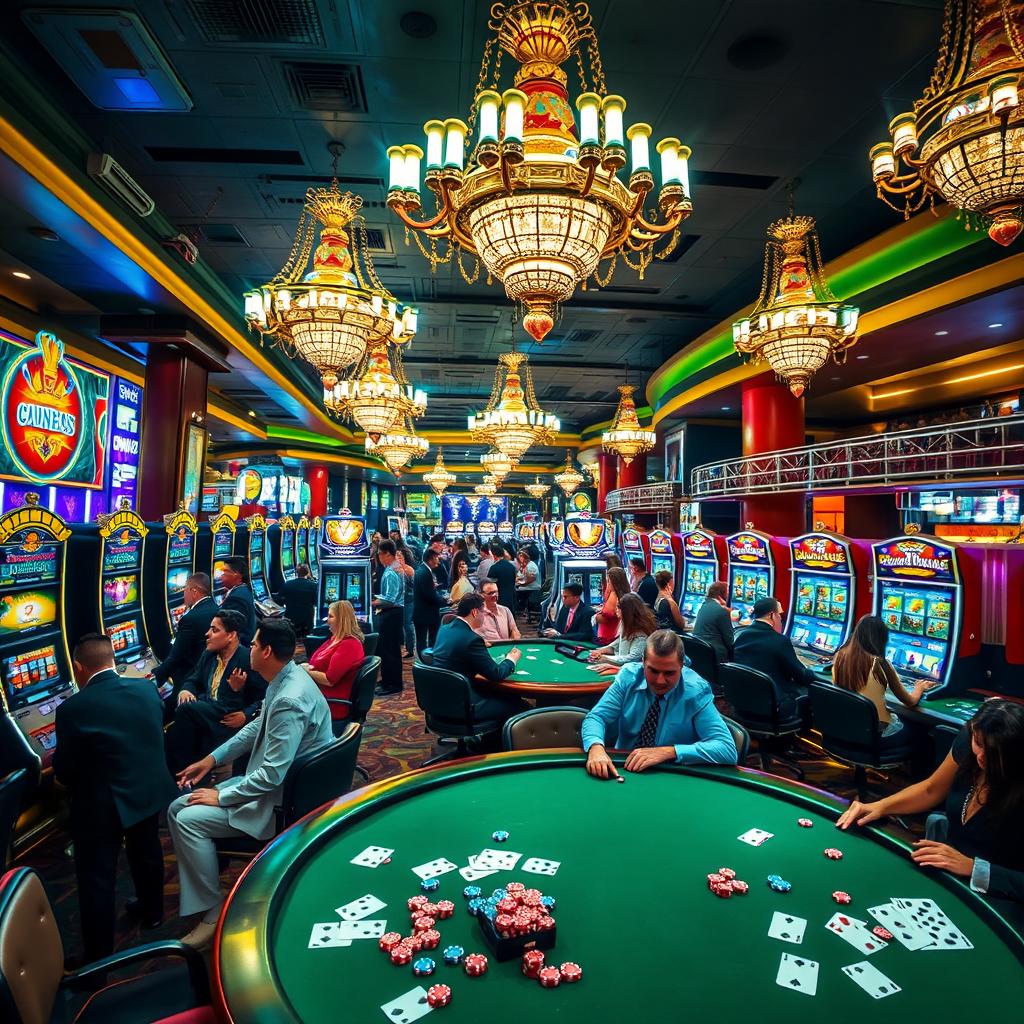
{"x":659,"y":711}
{"x":389,"y":620}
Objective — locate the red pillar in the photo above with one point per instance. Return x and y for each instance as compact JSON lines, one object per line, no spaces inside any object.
{"x":635,"y":473}
{"x":772,"y":419}
{"x":607,"y":478}
{"x":316,"y":477}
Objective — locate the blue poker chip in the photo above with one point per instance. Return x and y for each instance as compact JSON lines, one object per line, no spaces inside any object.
{"x":499,"y":894}
{"x":499,"y":835}
{"x":430,"y":884}
{"x":775,"y":878}
{"x":472,"y":891}
{"x":453,"y":955}
{"x":548,"y":902}
{"x":489,"y":912}
{"x":475,"y":905}
{"x":423,"y":965}
{"x":781,"y":885}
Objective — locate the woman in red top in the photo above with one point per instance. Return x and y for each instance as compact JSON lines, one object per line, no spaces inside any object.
{"x":616,"y":585}
{"x":334,"y":665}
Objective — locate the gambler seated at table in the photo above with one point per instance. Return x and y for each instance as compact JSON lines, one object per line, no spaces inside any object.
{"x":661,"y":711}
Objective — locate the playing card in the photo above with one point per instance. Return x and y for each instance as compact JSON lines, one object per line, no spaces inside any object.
{"x":361,"y":929}
{"x":540,"y":866}
{"x":557,"y":661}
{"x":522,"y":672}
{"x":531,"y":657}
{"x":372,"y":857}
{"x":360,"y":908}
{"x":798,"y":974}
{"x":871,"y":979}
{"x":497,"y":860}
{"x":855,"y":932}
{"x":930,"y":919}
{"x":471,"y":874}
{"x":327,"y":935}
{"x":903,"y":928}
{"x":755,"y":836}
{"x":433,"y":868}
{"x":787,"y":928}
{"x":409,"y":1007}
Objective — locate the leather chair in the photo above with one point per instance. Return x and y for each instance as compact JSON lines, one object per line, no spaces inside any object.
{"x":360,"y":702}
{"x":13,"y":787}
{"x":703,"y":660}
{"x":370,"y":644}
{"x":848,"y":723}
{"x":756,"y":706}
{"x":446,"y":700}
{"x":314,"y":779}
{"x":544,"y":729}
{"x":426,"y":656}
{"x":741,"y":738}
{"x":35,"y":990}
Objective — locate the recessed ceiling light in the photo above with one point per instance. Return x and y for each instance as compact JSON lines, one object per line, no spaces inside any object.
{"x":252,"y":414}
{"x":44,"y":234}
{"x":863,"y":357}
{"x":990,"y":325}
{"x":726,"y":408}
{"x":941,"y":334}
{"x":22,"y":275}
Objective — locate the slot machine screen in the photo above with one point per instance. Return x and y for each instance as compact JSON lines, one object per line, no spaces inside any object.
{"x":176,"y":580}
{"x":179,"y":548}
{"x":122,"y":590}
{"x":222,"y":545}
{"x":332,"y":587}
{"x":659,"y":562}
{"x":355,"y":592}
{"x":259,"y":588}
{"x":301,"y":542}
{"x":256,"y":543}
{"x":27,"y":561}
{"x":122,"y":556}
{"x":919,"y":626}
{"x":124,"y":638}
{"x":287,"y":549}
{"x":819,"y":615}
{"x":177,"y":614}
{"x":596,"y":594}
{"x":695,"y":592}
{"x":255,"y":566}
{"x":29,"y":671}
{"x":27,"y":610}
{"x":749,"y":585}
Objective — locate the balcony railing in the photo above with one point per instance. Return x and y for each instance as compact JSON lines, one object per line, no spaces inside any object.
{"x":645,"y":498}
{"x":953,"y":451}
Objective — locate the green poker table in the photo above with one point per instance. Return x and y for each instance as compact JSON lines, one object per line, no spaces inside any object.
{"x":633,"y":906}
{"x":548,"y":676}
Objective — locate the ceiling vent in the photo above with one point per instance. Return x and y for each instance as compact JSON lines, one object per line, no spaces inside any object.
{"x":581,"y":335}
{"x":316,"y":85}
{"x":261,"y":22}
{"x":375,"y":240}
{"x":216,"y":234}
{"x":119,"y":183}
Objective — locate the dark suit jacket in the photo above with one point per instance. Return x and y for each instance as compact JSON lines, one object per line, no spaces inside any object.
{"x":427,"y":601}
{"x":759,"y":646}
{"x":647,"y":590}
{"x":458,"y":649}
{"x":582,"y":624}
{"x":110,"y":744}
{"x":189,"y":642}
{"x":240,"y":600}
{"x":504,"y":573}
{"x":248,"y":699}
{"x":299,"y":598}
{"x":714,"y":624}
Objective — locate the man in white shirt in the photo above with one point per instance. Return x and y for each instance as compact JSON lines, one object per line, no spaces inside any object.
{"x":497,"y":623}
{"x":483,"y":567}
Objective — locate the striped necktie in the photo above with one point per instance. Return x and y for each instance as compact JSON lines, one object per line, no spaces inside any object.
{"x":649,"y":729}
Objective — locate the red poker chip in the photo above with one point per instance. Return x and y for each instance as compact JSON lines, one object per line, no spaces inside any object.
{"x":414,"y":941}
{"x":430,"y":938}
{"x":424,"y":924}
{"x":475,"y":964}
{"x":833,"y":854}
{"x":805,"y":822}
{"x":740,"y":887}
{"x":545,"y":924}
{"x":401,"y":955}
{"x":445,"y":909}
{"x":533,"y":961}
{"x":438,"y":995}
{"x":882,"y":933}
{"x":727,"y":873}
{"x":389,"y":940}
{"x":570,"y":972}
{"x":430,"y":909}
{"x":842,"y":897}
{"x":549,"y":977}
{"x":415,"y":902}
{"x":515,"y":887}
{"x":716,"y":878}
{"x":723,"y":890}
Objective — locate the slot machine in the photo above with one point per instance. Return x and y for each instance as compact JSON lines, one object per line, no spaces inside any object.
{"x":506,"y":531}
{"x":313,"y":546}
{"x":259,"y":580}
{"x":345,"y":570}
{"x":223,"y":531}
{"x":169,"y":558}
{"x":927,"y":593}
{"x":634,"y":543}
{"x":554,"y":535}
{"x":454,"y":529}
{"x":823,"y":596}
{"x":281,"y":538}
{"x":486,"y":532}
{"x":664,"y":554}
{"x":702,"y":561}
{"x":529,"y":530}
{"x":580,"y":559}
{"x":35,"y":659}
{"x":756,"y":564}
{"x":302,"y":542}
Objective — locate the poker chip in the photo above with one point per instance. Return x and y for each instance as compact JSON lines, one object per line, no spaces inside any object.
{"x":430,"y":884}
{"x":423,"y":966}
{"x":549,"y":977}
{"x":545,"y":924}
{"x":805,"y":822}
{"x":775,"y":878}
{"x":514,"y":887}
{"x":431,"y":939}
{"x":722,"y":889}
{"x":423,"y":924}
{"x":716,"y":879}
{"x":415,"y":902}
{"x":842,"y":897}
{"x":728,"y":873}
{"x":548,"y":902}
{"x":445,"y":909}
{"x":388,"y":941}
{"x":779,"y":885}
{"x":453,"y":955}
{"x":882,"y":933}
{"x":739,"y":886}
{"x":414,"y":941}
{"x":471,"y":892}
{"x":475,"y":964}
{"x":430,"y":909}
{"x":438,"y":996}
{"x":401,"y":954}
{"x":570,"y":972}
{"x":475,"y":905}
{"x":499,"y":835}
{"x":533,"y":961}
{"x":833,"y":854}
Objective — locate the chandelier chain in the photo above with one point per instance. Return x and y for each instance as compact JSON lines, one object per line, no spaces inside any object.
{"x":364,"y":247}
{"x":1012,"y":32}
{"x":302,"y":246}
{"x":603,"y":283}
{"x":468,"y":278}
{"x":481,"y":83}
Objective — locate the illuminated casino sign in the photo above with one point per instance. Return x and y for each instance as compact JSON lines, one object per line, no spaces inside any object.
{"x":556,"y":532}
{"x":54,"y":415}
{"x":631,"y":540}
{"x":915,"y":558}
{"x":585,"y":534}
{"x":748,"y":548}
{"x":821,"y":553}
{"x":699,"y":546}
{"x":661,"y":542}
{"x":344,"y":536}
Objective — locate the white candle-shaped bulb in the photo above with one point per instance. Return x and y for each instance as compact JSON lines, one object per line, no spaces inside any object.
{"x":639,"y":136}
{"x":454,"y":142}
{"x":613,"y":108}
{"x":411,"y":170}
{"x":668,"y":150}
{"x":434,"y":131}
{"x":396,"y":166}
{"x":487,"y":103}
{"x":683,"y":169}
{"x":589,"y":105}
{"x":515,"y":104}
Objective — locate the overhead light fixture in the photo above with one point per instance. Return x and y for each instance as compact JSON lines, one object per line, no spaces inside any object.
{"x":399,"y":447}
{"x":498,"y":464}
{"x":22,"y":275}
{"x":570,"y":478}
{"x":626,"y":438}
{"x":992,"y":326}
{"x":440,"y":478}
{"x":537,"y":489}
{"x":540,"y":203}
{"x":252,"y":414}
{"x":863,"y":357}
{"x":941,"y":334}
{"x":487,"y":487}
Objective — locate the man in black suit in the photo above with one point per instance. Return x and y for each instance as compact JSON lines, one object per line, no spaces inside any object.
{"x":438,"y":545}
{"x":190,"y":638}
{"x":238,"y":596}
{"x":763,"y":646}
{"x":428,"y":600}
{"x":459,"y":648}
{"x":642,"y":583}
{"x":575,"y":618}
{"x":299,"y":597}
{"x":217,"y":698}
{"x":503,"y":572}
{"x":110,"y":755}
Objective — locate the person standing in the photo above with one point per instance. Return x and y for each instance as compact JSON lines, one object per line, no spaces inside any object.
{"x":714,"y":621}
{"x":504,"y":573}
{"x":110,"y":755}
{"x":641,"y":582}
{"x":299,"y":597}
{"x":190,"y":636}
{"x":404,"y":568}
{"x":441,"y":569}
{"x":616,"y":587}
{"x":527,"y":578}
{"x":428,"y":600}
{"x":389,"y":618}
{"x":479,"y":574}
{"x":238,"y":597}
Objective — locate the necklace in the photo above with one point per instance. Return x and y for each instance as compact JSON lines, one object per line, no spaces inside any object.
{"x":967,"y":803}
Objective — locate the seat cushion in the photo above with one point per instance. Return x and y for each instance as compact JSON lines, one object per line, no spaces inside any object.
{"x":141,"y":999}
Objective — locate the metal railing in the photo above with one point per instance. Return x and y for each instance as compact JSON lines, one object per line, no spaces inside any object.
{"x":645,"y":498}
{"x":981,"y":449}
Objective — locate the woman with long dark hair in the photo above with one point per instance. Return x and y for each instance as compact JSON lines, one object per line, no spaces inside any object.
{"x":616,"y":587}
{"x":981,"y":782}
{"x":636,"y":624}
{"x":860,"y":666}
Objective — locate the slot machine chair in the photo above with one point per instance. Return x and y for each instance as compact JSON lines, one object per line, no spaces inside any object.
{"x":13,"y":787}
{"x":703,"y":660}
{"x":363,"y":687}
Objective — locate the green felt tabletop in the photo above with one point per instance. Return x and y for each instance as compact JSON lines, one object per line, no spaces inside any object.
{"x":542,"y":665}
{"x":633,"y":905}
{"x":960,"y":709}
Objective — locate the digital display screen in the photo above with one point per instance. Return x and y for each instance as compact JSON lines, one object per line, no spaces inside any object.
{"x":332,"y":587}
{"x":747,"y":584}
{"x":28,"y":561}
{"x":120,"y":590}
{"x":125,"y":638}
{"x":27,"y":610}
{"x":259,"y":588}
{"x":659,"y":562}
{"x":256,"y":543}
{"x":919,"y":626}
{"x":302,"y":541}
{"x":595,"y":598}
{"x":177,"y":613}
{"x":223,"y":543}
{"x":176,"y":580}
{"x":30,"y":669}
{"x":695,"y":588}
{"x":355,"y":591}
{"x":819,"y":614}
{"x":255,"y":566}
{"x":122,"y":554}
{"x":210,"y":501}
{"x":179,"y":547}
{"x":314,"y":556}
{"x":218,"y":569}
{"x":287,"y":549}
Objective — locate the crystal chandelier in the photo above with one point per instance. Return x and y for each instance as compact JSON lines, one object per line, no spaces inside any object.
{"x":540,"y":203}
{"x":513,"y":421}
{"x":398,"y":448}
{"x":570,"y":478}
{"x":964,"y":140}
{"x":498,"y":464}
{"x":440,"y":477}
{"x":329,"y":314}
{"x":487,"y":487}
{"x":796,"y":323}
{"x":537,"y":489}
{"x":627,"y":438}
{"x":377,"y":396}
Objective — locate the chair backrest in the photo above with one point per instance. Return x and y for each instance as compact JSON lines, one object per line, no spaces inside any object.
{"x":544,"y":728}
{"x":313,"y":642}
{"x":31,"y":952}
{"x":426,"y":656}
{"x":445,"y":698}
{"x":943,"y":737}
{"x":846,"y":720}
{"x":740,"y":737}
{"x":447,"y":617}
{"x":752,"y":694}
{"x":370,"y":644}
{"x":13,"y":787}
{"x":363,"y":686}
{"x":702,"y":657}
{"x":318,"y":777}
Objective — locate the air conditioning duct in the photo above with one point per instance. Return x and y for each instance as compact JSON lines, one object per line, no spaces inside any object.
{"x":116,"y":180}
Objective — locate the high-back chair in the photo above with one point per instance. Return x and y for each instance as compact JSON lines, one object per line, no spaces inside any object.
{"x":544,"y":729}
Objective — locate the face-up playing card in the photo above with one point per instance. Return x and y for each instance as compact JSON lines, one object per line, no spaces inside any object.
{"x":787,"y":928}
{"x":540,"y":866}
{"x":903,"y":928}
{"x":930,"y":919}
{"x":755,"y":836}
{"x":471,"y":874}
{"x":409,"y":1007}
{"x":855,"y":932}
{"x":361,"y":929}
{"x":557,"y":661}
{"x":327,"y":935}
{"x":433,"y":868}
{"x":872,"y":980}
{"x":497,"y":860}
{"x":372,"y":857}
{"x":360,"y":908}
{"x":522,"y":672}
{"x":797,"y":974}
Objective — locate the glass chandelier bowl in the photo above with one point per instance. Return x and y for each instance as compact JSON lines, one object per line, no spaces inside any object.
{"x":626,"y":438}
{"x":964,"y":139}
{"x":570,"y":478}
{"x":498,"y":464}
{"x":796,"y":323}
{"x":537,"y":198}
{"x":440,"y":478}
{"x":537,"y":489}
{"x":398,"y":448}
{"x":329,"y":313}
{"x":487,"y":487}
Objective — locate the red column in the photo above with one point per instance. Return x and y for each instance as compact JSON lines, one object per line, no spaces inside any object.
{"x":316,"y":477}
{"x":635,"y":473}
{"x":607,"y":478}
{"x":772,"y":419}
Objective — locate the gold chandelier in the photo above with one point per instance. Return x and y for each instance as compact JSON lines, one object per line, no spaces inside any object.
{"x":973,"y":155}
{"x":487,"y":487}
{"x":329,"y":314}
{"x":513,"y":421}
{"x":537,"y":489}
{"x":378,"y":395}
{"x":498,"y":464}
{"x":398,"y":448}
{"x":627,"y":438}
{"x":570,"y":478}
{"x":796,"y":323}
{"x":531,"y":204}
{"x":440,"y":477}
